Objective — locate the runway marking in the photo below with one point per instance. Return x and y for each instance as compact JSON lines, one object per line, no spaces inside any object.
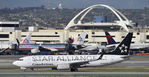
{"x":72,"y":73}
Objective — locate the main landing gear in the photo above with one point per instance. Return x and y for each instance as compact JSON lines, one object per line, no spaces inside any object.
{"x":73,"y":69}
{"x":32,"y":69}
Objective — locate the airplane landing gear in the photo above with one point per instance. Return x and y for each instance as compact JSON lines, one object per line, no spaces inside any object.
{"x":23,"y":68}
{"x":32,"y":69}
{"x":73,"y":69}
{"x":54,"y":68}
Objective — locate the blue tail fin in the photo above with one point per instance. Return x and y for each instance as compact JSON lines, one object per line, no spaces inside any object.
{"x":110,"y":39}
{"x":123,"y":47}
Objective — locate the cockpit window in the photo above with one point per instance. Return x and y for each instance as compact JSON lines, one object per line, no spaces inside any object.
{"x":20,"y":59}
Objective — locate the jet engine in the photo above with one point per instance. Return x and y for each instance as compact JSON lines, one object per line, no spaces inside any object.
{"x":35,"y":50}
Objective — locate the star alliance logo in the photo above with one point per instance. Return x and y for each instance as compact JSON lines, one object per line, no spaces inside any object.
{"x":123,"y":48}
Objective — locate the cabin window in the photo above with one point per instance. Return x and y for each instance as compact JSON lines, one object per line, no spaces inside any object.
{"x":78,"y":34}
{"x":100,"y":36}
{"x":4,"y":35}
{"x":10,"y":32}
{"x":86,"y":36}
{"x":93,"y":32}
{"x":20,"y":59}
{"x":42,"y":36}
{"x":138,"y":33}
{"x":56,"y":33}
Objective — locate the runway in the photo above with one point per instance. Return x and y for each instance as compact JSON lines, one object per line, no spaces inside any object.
{"x":16,"y":72}
{"x":133,"y":62}
{"x":135,"y":66}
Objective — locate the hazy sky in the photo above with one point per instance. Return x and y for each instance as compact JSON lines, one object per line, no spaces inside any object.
{"x":130,"y":4}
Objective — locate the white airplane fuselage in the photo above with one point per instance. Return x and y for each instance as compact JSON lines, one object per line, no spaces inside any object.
{"x":92,"y":46}
{"x":134,"y":45}
{"x":139,"y":45}
{"x":63,"y":61}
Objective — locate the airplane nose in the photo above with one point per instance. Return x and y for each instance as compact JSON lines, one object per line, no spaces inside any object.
{"x":15,"y":63}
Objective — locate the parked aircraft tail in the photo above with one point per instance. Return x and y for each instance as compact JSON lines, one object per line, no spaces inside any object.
{"x":124,"y":46}
{"x":70,"y":40}
{"x":81,"y":38}
{"x":110,"y":40}
{"x":27,"y":38}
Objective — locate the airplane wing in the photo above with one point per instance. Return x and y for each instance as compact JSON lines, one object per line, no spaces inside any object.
{"x":110,"y":48}
{"x":45,"y":49}
{"x":79,"y":47}
{"x":4,"y":50}
{"x":40,"y":48}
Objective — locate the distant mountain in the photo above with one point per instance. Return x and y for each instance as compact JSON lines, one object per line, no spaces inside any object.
{"x":126,"y":4}
{"x":59,"y":18}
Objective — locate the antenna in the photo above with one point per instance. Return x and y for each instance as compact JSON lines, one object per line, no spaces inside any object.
{"x":60,"y":6}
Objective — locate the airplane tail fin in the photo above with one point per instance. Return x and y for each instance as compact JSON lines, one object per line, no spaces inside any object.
{"x":110,"y":39}
{"x":81,"y":38}
{"x":70,"y":40}
{"x":124,"y":46}
{"x":27,"y":38}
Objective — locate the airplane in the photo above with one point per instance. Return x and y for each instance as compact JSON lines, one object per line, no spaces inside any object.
{"x":133,"y":46}
{"x":70,"y":46}
{"x":73,"y":62}
{"x":80,"y":45}
{"x":26,"y":40}
{"x":38,"y":48}
{"x":30,"y":47}
{"x":26,"y":46}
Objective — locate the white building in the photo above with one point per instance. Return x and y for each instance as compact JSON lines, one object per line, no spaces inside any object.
{"x":8,"y":26}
